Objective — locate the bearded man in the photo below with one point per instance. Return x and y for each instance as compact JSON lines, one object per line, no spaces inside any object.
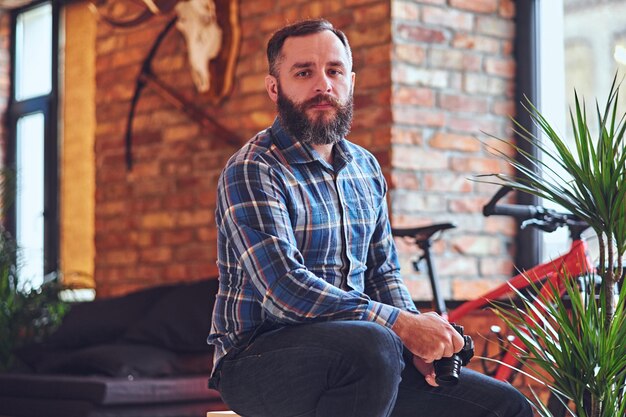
{"x":312,"y":317}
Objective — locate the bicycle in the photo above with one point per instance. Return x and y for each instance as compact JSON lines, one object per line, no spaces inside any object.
{"x":571,"y":265}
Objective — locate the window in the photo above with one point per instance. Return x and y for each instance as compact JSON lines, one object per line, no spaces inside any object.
{"x":32,"y":146}
{"x":559,"y":48}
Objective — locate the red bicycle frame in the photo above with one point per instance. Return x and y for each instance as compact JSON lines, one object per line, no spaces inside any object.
{"x":574,"y":263}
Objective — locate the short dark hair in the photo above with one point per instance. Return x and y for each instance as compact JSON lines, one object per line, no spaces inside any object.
{"x":302,"y":28}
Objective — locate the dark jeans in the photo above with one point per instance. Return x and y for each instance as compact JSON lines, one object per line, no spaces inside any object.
{"x":351,"y":369}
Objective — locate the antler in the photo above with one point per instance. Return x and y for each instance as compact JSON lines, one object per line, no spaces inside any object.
{"x":152,"y":7}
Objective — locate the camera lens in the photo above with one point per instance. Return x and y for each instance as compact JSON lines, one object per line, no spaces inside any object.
{"x":447,"y":371}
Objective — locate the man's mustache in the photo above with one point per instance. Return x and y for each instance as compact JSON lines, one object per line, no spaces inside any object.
{"x":322,"y":99}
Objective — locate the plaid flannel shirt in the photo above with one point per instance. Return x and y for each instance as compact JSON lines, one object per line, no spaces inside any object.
{"x":300,"y":240}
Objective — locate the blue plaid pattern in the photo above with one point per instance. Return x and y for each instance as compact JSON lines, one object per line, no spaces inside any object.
{"x":301,"y":241}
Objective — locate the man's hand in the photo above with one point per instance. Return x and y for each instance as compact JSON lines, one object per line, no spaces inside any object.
{"x":428,"y":336}
{"x":426,"y":369}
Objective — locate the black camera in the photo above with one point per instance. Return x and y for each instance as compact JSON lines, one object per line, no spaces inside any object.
{"x":447,"y":370}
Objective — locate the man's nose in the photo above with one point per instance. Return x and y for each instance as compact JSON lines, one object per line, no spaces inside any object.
{"x":323,"y":84}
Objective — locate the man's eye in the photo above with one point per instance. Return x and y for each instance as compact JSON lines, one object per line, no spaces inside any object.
{"x":302,"y":74}
{"x":334,"y":72}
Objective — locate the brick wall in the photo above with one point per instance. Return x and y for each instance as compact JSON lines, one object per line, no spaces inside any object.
{"x":431,"y":75}
{"x":453,"y":78}
{"x":155,"y":224}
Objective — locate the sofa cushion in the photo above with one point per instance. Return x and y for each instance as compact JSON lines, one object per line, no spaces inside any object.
{"x":180,"y":320}
{"x":107,"y":390}
{"x":103,"y":320}
{"x":118,"y":360}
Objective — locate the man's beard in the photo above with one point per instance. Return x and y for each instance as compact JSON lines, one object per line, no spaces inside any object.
{"x":319,"y":131}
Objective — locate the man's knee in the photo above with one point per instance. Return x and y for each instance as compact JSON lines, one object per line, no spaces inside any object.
{"x":374,"y":349}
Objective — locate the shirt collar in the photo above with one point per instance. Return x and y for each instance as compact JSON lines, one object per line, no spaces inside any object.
{"x":300,"y":153}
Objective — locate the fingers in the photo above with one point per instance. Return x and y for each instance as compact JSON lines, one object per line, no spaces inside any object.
{"x":426,"y":369}
{"x":429,"y":336}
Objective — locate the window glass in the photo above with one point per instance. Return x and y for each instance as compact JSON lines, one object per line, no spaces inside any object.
{"x":30,"y":199}
{"x":33,"y":60}
{"x":575,"y":54}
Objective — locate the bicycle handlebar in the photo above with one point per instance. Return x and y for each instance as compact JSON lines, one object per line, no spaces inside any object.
{"x":538,"y":216}
{"x":513,"y":210}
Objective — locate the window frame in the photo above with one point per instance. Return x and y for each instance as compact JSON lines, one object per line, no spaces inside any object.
{"x":48,"y":106}
{"x":527,"y":55}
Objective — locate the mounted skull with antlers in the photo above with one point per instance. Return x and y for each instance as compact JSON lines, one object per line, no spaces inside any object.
{"x":197,"y":21}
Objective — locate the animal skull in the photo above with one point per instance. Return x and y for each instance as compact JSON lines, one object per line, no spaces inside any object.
{"x":197,"y":21}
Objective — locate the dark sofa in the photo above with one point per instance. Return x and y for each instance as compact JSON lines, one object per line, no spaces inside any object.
{"x":142,"y":354}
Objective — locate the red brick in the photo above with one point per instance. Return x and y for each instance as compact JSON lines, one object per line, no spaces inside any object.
{"x":448,"y":18}
{"x":253,"y":8}
{"x":507,"y":9}
{"x":350,"y":3}
{"x":121,"y":257}
{"x":475,"y":165}
{"x":456,"y":142}
{"x":371,"y":76}
{"x":206,"y":234}
{"x":463,"y":289}
{"x":372,"y":56}
{"x":404,"y":10}
{"x":418,"y":117}
{"x":406,"y":136}
{"x":195,"y":218}
{"x":467,"y":204}
{"x":457,"y":266}
{"x":477,"y":6}
{"x":477,"y":43}
{"x":465,"y":104}
{"x":476,"y":245}
{"x":370,"y":118}
{"x":154,"y":255}
{"x":444,"y":182}
{"x":382,"y":97}
{"x":500,"y":225}
{"x":422,"y":97}
{"x":413,"y":54}
{"x":159,"y":220}
{"x":150,"y":203}
{"x":507,"y":47}
{"x":497,"y":147}
{"x":411,"y":75}
{"x":420,"y":289}
{"x":192,"y":253}
{"x":473,"y":126}
{"x":407,"y":180}
{"x":177,"y":272}
{"x":500,"y":67}
{"x":495,"y":26}
{"x":366,"y":36}
{"x":408,"y":201}
{"x":454,"y":59}
{"x":497,"y":266}
{"x":418,"y":159}
{"x":420,"y":34}
{"x":371,"y":13}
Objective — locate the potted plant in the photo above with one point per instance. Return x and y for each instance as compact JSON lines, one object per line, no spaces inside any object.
{"x":577,"y":348}
{"x":25,"y":315}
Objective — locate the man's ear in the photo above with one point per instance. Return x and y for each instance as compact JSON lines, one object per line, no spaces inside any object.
{"x":353,"y":78}
{"x":271,"y":85}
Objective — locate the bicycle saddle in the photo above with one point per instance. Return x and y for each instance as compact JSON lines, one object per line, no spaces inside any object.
{"x":422,"y":233}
